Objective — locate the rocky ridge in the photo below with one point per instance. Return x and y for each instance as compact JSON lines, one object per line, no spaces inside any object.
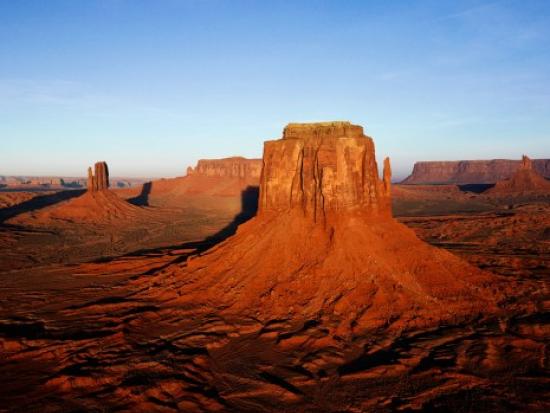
{"x":470,"y":172}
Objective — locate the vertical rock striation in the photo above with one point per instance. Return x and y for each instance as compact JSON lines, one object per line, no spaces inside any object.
{"x":322,"y":168}
{"x":324,"y":245}
{"x":100,"y":180}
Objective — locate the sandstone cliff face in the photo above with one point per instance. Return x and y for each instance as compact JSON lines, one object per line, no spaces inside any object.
{"x":324,"y":246}
{"x":321,"y":168}
{"x":99,"y":180}
{"x":235,"y":167}
{"x":470,"y":172}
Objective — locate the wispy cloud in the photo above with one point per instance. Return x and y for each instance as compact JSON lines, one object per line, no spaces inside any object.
{"x":68,"y":94}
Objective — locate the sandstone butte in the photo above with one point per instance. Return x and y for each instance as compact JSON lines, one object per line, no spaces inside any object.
{"x":97,"y":205}
{"x":524,"y":180}
{"x":100,"y":180}
{"x":324,"y":245}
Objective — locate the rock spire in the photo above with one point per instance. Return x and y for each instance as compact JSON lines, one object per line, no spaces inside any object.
{"x":99,"y":180}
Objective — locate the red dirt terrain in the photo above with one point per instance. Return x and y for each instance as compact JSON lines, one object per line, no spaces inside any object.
{"x":321,"y":302}
{"x":75,"y":226}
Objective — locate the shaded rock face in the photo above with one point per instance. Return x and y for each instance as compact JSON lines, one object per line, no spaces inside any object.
{"x":99,"y":180}
{"x":321,"y":168}
{"x":470,"y":172}
{"x":235,"y":167}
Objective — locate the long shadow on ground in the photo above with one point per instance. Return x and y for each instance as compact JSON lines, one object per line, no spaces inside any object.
{"x":143,"y":198}
{"x":38,"y":202}
{"x":249,"y":207}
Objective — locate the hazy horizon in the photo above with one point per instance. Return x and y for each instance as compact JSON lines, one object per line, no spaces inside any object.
{"x":151,"y":87}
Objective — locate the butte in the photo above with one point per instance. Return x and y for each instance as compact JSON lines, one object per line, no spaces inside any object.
{"x":324,"y":246}
{"x":524,"y":180}
{"x":98,"y":205}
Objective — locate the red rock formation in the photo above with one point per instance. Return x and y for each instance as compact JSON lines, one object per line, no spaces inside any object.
{"x":235,"y":167}
{"x":324,"y":245}
{"x":90,"y":184}
{"x":100,"y":180}
{"x":470,"y":172}
{"x":524,"y":180}
{"x":93,"y":207}
{"x":204,"y":185}
{"x":319,"y":168}
{"x":387,"y":176}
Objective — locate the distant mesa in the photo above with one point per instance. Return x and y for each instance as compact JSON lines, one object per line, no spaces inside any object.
{"x":470,"y":172}
{"x":324,"y":245}
{"x":212,"y":183}
{"x":234,"y":167}
{"x":524,"y":180}
{"x":99,"y":180}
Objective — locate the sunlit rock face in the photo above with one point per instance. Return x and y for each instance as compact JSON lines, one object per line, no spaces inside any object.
{"x":99,"y":180}
{"x":323,"y":168}
{"x":324,"y":243}
{"x":235,"y":167}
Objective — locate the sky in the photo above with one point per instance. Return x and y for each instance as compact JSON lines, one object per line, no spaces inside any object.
{"x":151,"y":86}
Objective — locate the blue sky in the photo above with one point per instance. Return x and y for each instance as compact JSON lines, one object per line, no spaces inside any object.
{"x":152,"y":86}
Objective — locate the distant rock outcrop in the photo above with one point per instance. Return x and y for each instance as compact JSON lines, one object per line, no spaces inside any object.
{"x":325,"y":246}
{"x":99,"y":180}
{"x":524,"y":180}
{"x":235,"y":167}
{"x":470,"y":172}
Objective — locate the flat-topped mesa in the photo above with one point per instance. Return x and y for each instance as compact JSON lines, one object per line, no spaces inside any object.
{"x":471,"y":172}
{"x":338,"y":129}
{"x":321,"y":168}
{"x":235,"y":167}
{"x":99,"y":180}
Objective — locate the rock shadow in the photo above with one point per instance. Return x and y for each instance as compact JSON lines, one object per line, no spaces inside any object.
{"x":249,"y":207}
{"x":143,"y":198}
{"x":475,"y":188}
{"x":37,"y":203}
